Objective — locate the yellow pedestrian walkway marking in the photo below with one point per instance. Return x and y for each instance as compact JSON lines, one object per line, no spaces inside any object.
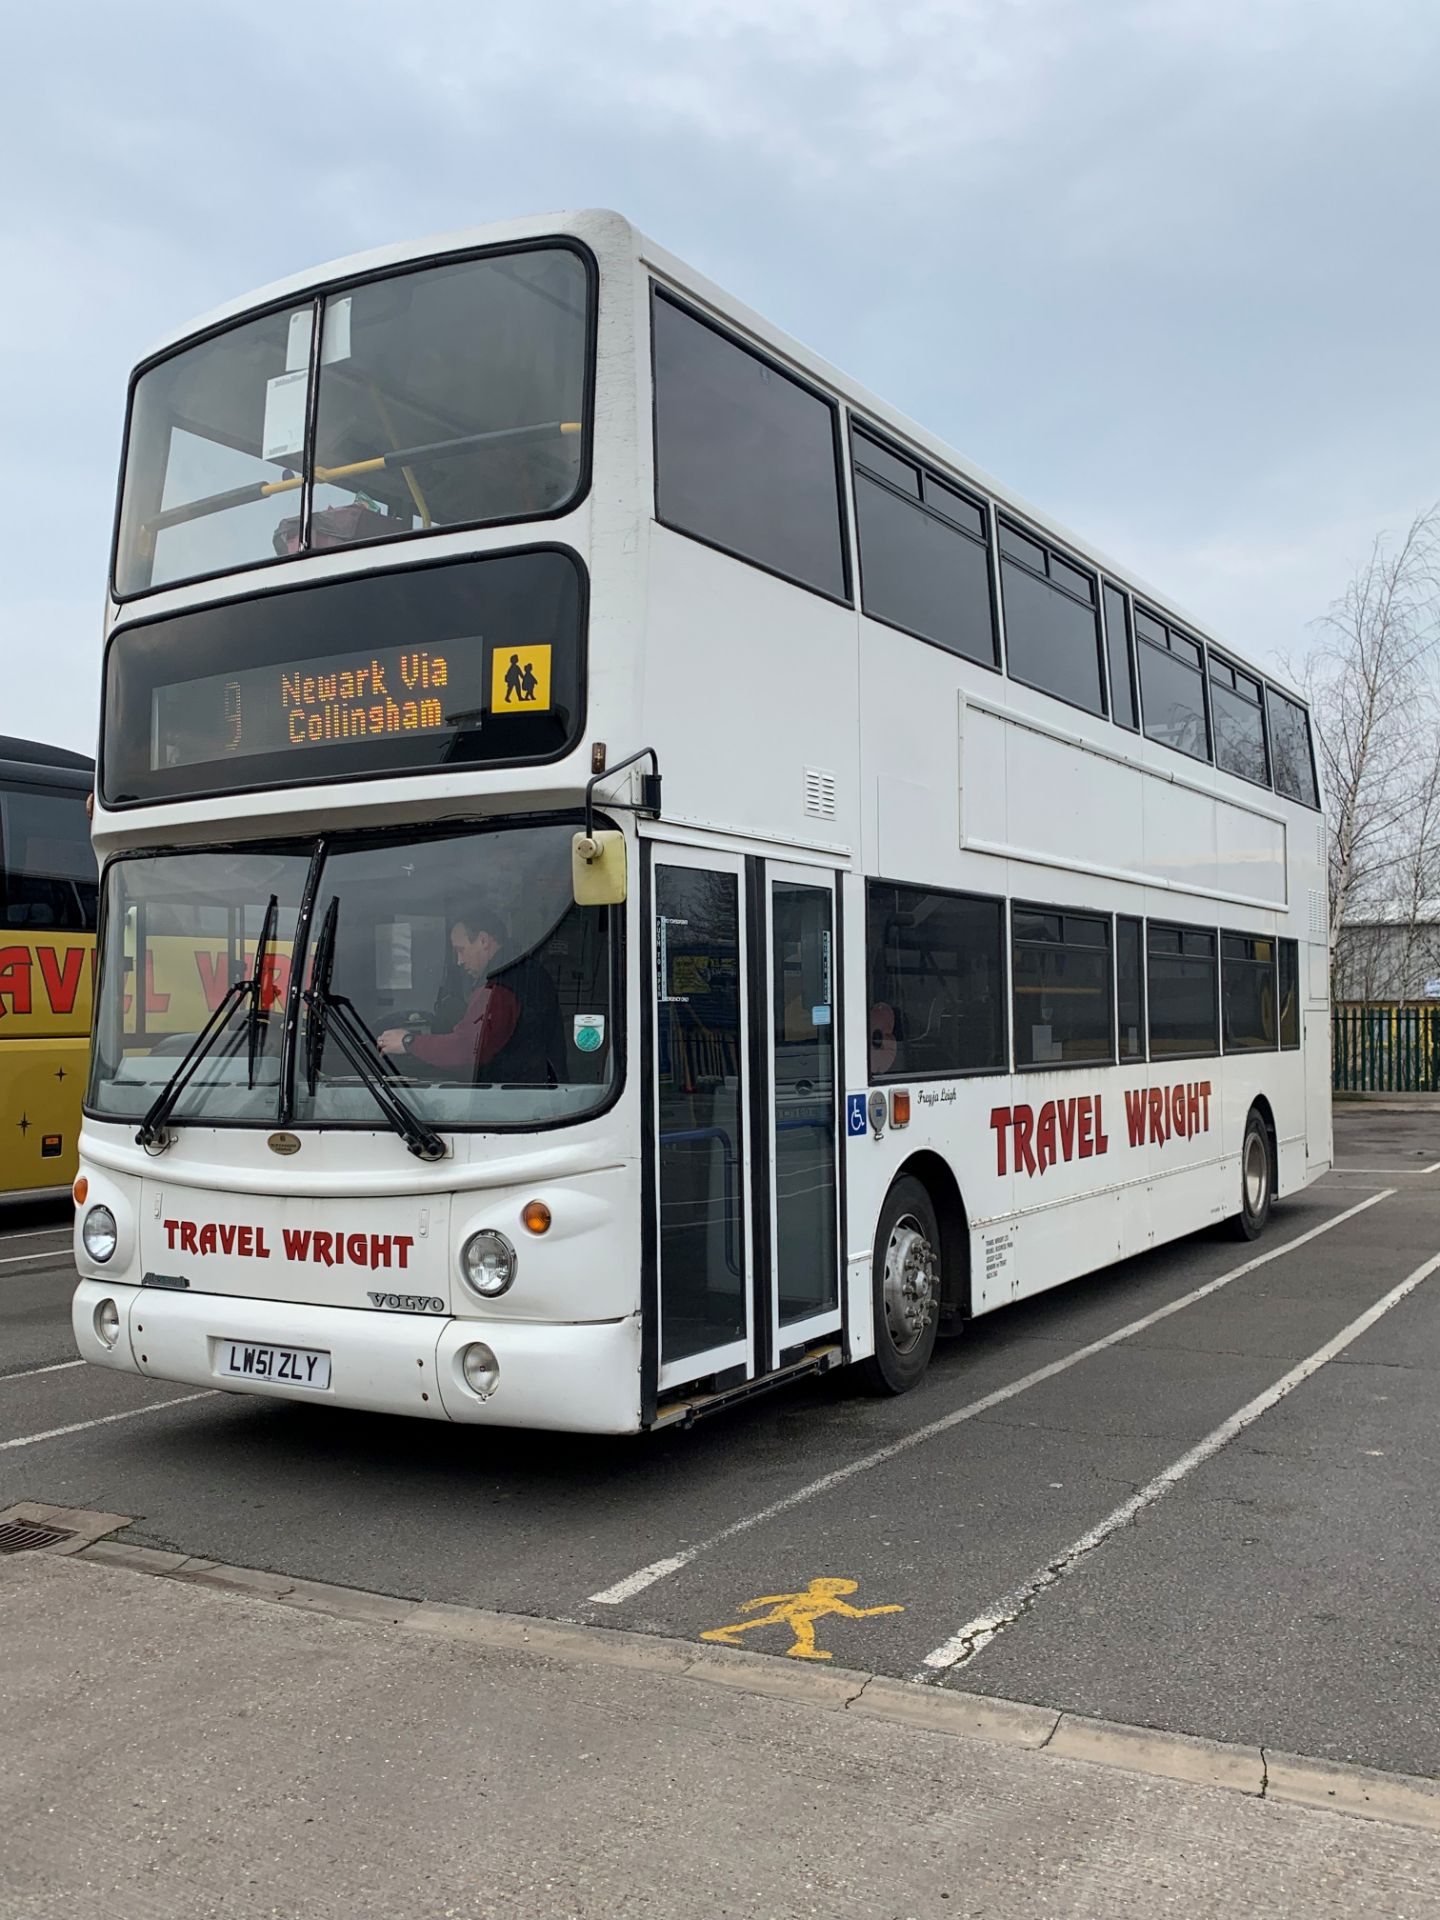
{"x":799,"y":1612}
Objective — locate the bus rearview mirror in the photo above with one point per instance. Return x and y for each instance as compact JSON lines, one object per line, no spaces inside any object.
{"x":597,"y":868}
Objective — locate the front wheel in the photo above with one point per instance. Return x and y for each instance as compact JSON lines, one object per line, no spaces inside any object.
{"x":1256,"y":1183}
{"x":906,"y":1289}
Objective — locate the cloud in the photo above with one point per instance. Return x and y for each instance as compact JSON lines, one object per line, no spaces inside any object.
{"x":1163,"y":264}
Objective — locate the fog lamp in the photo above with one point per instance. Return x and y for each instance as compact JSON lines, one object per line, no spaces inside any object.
{"x":488,"y":1263}
{"x":107,"y":1323}
{"x":98,"y":1235}
{"x":481,"y":1369}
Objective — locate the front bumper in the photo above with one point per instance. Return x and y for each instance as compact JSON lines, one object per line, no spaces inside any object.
{"x":569,"y":1378}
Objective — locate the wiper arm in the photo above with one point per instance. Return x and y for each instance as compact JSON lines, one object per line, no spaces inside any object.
{"x":332,"y":1013}
{"x":259,"y":1015}
{"x":153,"y":1135}
{"x":354,"y":1040}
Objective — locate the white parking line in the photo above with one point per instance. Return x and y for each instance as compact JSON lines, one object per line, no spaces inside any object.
{"x":34,"y":1233}
{"x":962,"y":1647}
{"x":105,"y":1419}
{"x":28,"y":1373}
{"x":637,"y":1582}
{"x":40,"y":1253}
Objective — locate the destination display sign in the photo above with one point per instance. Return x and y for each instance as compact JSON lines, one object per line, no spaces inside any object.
{"x":384,"y":693}
{"x":469,"y":662}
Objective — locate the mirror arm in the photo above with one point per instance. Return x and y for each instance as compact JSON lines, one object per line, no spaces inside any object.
{"x":649,"y":801}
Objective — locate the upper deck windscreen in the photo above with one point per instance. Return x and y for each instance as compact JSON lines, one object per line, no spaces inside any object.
{"x":450,"y":396}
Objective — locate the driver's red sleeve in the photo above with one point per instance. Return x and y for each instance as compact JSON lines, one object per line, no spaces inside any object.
{"x":489,"y":1021}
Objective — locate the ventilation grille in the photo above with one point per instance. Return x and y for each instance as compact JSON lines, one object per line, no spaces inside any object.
{"x":1319,"y":919}
{"x":819,"y":793}
{"x":25,"y":1536}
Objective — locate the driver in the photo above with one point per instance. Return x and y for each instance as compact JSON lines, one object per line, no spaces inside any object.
{"x":492,"y":1012}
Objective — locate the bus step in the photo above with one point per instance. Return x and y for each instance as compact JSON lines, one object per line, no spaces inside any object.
{"x":685,"y":1412}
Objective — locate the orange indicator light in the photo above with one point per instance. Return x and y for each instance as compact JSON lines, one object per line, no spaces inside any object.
{"x":899,"y":1109}
{"x":536,"y":1216}
{"x":80,"y":1189}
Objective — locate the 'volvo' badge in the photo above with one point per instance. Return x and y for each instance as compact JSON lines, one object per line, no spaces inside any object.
{"x":283,"y":1143}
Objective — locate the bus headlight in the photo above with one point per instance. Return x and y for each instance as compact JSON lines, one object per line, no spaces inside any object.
{"x":481,"y":1370}
{"x":99,"y":1235}
{"x":487,"y":1263}
{"x":107,"y":1323}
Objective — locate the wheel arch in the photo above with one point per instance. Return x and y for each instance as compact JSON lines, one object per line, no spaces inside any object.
{"x":1261,"y":1105}
{"x":938,"y":1180}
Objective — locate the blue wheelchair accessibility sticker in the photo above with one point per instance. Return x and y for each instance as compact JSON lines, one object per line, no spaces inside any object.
{"x":856,"y":1124}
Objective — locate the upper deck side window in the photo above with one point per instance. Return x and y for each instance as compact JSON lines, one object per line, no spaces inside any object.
{"x":1172,"y":686}
{"x":746,"y":456}
{"x":924,"y":552}
{"x":449,"y":396}
{"x":1291,"y":745}
{"x":1236,"y":707}
{"x":1052,"y":626}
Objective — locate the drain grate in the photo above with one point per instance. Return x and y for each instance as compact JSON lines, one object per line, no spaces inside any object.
{"x":26,"y":1536}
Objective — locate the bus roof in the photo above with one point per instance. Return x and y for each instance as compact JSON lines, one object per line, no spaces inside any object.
{"x":604,"y":228}
{"x":37,"y":755}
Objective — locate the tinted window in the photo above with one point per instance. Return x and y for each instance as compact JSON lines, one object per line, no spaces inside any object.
{"x":886,"y":465}
{"x":1182,"y":987}
{"x":389,"y":672}
{"x":1247,"y":982}
{"x":936,"y":968}
{"x":1289,"y":993}
{"x":1239,"y":723}
{"x":48,"y":876}
{"x":1052,"y":638}
{"x":745,"y":457}
{"x":1172,"y":688}
{"x":1290,"y":742}
{"x":920,"y":571}
{"x":1130,"y":988}
{"x":1060,"y":969}
{"x":1122,"y":671}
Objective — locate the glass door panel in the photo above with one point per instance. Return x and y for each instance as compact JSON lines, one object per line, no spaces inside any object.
{"x":803,"y":1015}
{"x":700,"y":1093}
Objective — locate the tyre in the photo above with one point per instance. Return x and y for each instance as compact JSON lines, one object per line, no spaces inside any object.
{"x":1257,"y":1186}
{"x":906,"y":1289}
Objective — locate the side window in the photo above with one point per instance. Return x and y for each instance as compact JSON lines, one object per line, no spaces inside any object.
{"x":924,"y":553}
{"x":1181,"y":985}
{"x":48,"y":876}
{"x":1235,"y":706}
{"x":746,"y":457}
{"x":1060,"y":967}
{"x":1052,"y":624}
{"x":1289,"y":993}
{"x":1172,"y":687}
{"x":936,"y":969}
{"x":1130,"y":987}
{"x":1247,"y":992}
{"x":1290,"y":743}
{"x":1123,"y":708}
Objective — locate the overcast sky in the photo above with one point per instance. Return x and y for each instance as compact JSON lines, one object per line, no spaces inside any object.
{"x":1166,"y":266}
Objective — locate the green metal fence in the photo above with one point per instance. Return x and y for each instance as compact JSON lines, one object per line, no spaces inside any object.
{"x":1385,"y":1048}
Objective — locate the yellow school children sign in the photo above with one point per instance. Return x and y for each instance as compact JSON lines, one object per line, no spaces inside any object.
{"x":520,"y":680}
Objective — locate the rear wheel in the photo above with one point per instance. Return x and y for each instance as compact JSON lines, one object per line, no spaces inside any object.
{"x":906,"y":1289}
{"x":1256,"y":1179}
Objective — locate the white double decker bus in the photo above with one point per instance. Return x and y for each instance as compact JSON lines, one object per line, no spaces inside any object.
{"x":633,"y":874}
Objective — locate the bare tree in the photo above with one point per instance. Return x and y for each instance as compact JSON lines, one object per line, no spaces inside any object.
{"x":1374,"y":686}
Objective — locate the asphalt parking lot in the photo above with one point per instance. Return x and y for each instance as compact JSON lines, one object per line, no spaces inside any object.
{"x":1194,"y":1492}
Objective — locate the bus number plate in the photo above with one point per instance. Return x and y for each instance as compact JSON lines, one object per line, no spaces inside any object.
{"x":287,"y":1366}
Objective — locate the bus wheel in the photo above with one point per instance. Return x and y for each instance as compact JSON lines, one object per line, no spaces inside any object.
{"x":906,"y":1278}
{"x":1256,"y":1186}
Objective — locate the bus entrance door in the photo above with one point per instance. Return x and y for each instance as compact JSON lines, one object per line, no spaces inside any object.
{"x":744,"y":1036}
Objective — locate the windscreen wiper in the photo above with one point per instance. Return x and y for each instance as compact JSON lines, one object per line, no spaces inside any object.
{"x":331,"y":1013}
{"x":258,"y":1017}
{"x":153,"y":1134}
